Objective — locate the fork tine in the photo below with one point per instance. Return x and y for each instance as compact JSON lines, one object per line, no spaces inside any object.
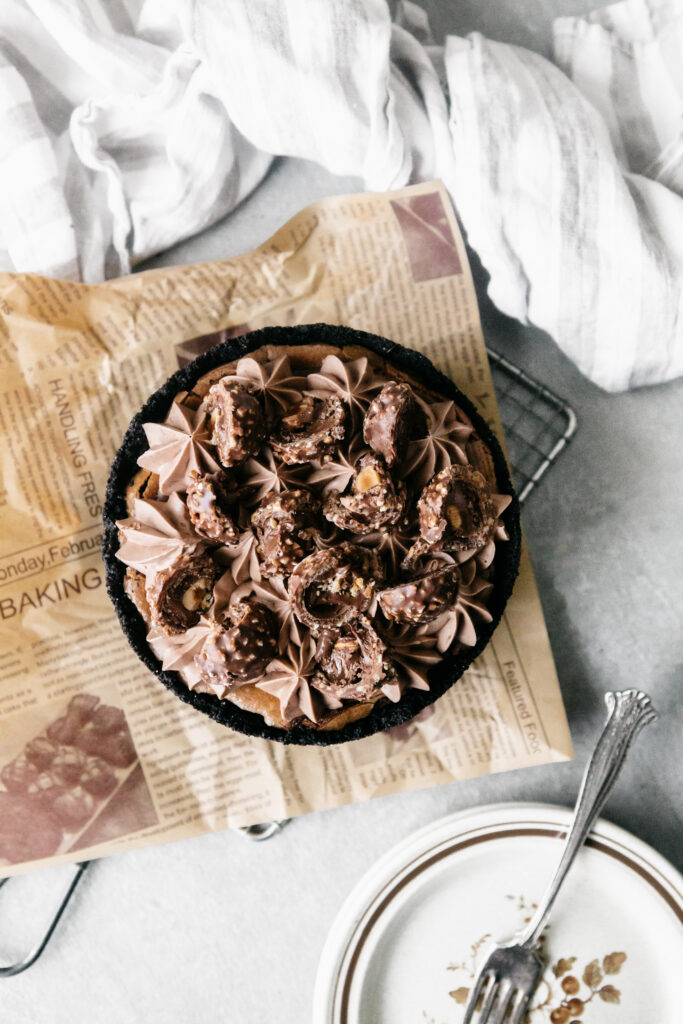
{"x":489,"y":999}
{"x":481,"y":980}
{"x":520,"y":1006}
{"x":475,"y":992}
{"x":505,"y":994}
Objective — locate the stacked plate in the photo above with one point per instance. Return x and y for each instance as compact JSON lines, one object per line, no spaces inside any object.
{"x":406,"y":944}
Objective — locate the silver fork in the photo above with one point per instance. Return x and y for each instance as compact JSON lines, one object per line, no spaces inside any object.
{"x":511,"y":972}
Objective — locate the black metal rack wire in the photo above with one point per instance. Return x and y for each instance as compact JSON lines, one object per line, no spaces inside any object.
{"x":538,"y":425}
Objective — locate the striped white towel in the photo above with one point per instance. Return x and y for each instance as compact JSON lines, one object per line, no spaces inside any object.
{"x":126,"y":125}
{"x":573,"y":197}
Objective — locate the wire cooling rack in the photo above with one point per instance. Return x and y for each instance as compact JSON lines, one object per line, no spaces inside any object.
{"x":537,"y":425}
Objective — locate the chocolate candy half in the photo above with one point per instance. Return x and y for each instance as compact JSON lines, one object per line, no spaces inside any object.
{"x":41,"y":752}
{"x":479,"y":457}
{"x":46,"y":789}
{"x":82,"y":706}
{"x":455,"y":513}
{"x":373,"y":501}
{"x":352,"y":660}
{"x":108,"y":719}
{"x":73,"y":808}
{"x":134,"y":586}
{"x":331,"y":586}
{"x":207,"y":505}
{"x":98,"y":778}
{"x":393,"y":419}
{"x":241,"y":646}
{"x":68,"y":765}
{"x":284,"y":525}
{"x":179,"y":594}
{"x":423,"y":598}
{"x":117,"y":748}
{"x":19,"y":775}
{"x":310,"y":430}
{"x":238,"y":421}
{"x":64,"y":729}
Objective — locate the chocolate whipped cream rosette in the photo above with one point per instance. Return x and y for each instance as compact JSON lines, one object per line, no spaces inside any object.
{"x":310,"y":533}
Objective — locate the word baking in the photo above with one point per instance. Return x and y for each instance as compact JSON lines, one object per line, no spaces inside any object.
{"x":50,"y":594}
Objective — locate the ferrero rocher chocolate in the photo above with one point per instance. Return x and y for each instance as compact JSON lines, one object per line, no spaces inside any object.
{"x":422,"y":598}
{"x":392,"y":420}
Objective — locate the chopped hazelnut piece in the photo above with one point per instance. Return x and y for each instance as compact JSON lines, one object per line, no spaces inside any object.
{"x":366,"y":479}
{"x":375,"y":500}
{"x":454,"y":517}
{"x":198,"y":596}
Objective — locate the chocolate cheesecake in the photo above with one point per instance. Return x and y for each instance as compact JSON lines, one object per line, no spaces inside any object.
{"x":310,"y":533}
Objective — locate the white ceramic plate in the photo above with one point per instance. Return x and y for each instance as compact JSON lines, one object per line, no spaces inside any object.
{"x":405,"y":945}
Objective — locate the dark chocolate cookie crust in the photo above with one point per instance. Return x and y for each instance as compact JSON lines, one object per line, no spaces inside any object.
{"x":124,"y":467}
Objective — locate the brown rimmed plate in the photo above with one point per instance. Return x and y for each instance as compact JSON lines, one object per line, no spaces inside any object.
{"x":405,"y":946}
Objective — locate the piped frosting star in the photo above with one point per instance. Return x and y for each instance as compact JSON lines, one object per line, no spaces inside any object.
{"x":241,"y":558}
{"x":290,"y":680}
{"x":354,"y":382}
{"x":177,"y":446}
{"x":156,"y":534}
{"x":177,"y":653}
{"x":411,"y":660}
{"x":336,"y":472}
{"x":485,"y":555}
{"x":443,"y":445}
{"x":266,"y":475}
{"x":274,"y":381}
{"x":392,"y":544}
{"x":459,"y":622}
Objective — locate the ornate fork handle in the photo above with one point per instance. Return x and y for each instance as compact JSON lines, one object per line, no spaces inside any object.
{"x":628,"y":711}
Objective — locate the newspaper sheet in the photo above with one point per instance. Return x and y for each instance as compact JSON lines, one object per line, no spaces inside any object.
{"x":76,"y":361}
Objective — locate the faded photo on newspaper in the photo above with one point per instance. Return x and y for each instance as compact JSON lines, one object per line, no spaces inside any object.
{"x":96,"y":756}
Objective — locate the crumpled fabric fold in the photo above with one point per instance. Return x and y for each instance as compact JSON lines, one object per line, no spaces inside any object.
{"x":128,"y":125}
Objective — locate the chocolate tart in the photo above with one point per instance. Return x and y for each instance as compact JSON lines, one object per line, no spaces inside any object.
{"x":205,"y":388}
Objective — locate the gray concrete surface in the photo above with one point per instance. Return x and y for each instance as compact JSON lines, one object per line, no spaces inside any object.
{"x":217,"y":929}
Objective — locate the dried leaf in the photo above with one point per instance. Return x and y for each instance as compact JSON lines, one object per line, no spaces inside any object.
{"x":592,"y":975}
{"x":560,"y":1015}
{"x":612,"y":963}
{"x":460,"y":994}
{"x":563,"y":965}
{"x":609,"y":994}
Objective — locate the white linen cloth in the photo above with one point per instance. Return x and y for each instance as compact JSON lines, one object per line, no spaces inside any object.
{"x":127,"y":125}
